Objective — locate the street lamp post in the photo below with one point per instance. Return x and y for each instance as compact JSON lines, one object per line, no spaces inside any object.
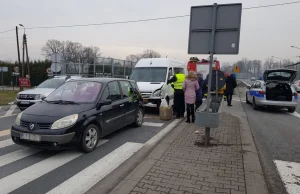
{"x":25,"y":47}
{"x":279,"y":59}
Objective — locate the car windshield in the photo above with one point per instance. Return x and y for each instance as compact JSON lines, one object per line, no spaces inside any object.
{"x":149,"y":74}
{"x":76,"y":92}
{"x":52,"y":83}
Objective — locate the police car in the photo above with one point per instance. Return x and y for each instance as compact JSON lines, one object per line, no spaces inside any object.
{"x":274,"y":90}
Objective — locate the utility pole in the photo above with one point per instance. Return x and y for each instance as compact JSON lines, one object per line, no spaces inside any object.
{"x":18,"y":46}
{"x":27,"y":58}
{"x":23,"y":60}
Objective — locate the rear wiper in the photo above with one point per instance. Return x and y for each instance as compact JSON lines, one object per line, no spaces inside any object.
{"x":62,"y":102}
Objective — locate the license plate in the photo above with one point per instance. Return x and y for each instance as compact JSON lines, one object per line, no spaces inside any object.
{"x":30,"y":137}
{"x":24,"y":102}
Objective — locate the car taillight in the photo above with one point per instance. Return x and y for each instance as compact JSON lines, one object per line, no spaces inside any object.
{"x":299,"y":84}
{"x":295,"y":94}
{"x":261,"y":92}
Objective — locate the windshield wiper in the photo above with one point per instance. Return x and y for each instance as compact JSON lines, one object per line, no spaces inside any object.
{"x":61,"y":102}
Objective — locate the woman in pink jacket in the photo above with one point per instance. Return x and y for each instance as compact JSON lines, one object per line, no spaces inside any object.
{"x":190,"y":86}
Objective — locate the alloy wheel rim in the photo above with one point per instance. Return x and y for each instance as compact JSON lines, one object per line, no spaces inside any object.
{"x":91,"y":138}
{"x":140,"y":117}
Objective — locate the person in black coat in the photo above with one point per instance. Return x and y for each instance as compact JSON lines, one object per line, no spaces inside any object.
{"x":230,"y":85}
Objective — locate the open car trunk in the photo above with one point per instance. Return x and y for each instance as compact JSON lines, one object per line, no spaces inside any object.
{"x":278,"y":86}
{"x":278,"y":91}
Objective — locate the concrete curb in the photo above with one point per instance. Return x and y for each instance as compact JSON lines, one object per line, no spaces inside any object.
{"x":254,"y":176}
{"x":126,"y":186}
{"x":117,"y":182}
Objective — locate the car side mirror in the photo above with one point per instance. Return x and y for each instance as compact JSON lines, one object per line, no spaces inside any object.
{"x":248,"y":87}
{"x":127,"y":77}
{"x":103,"y":103}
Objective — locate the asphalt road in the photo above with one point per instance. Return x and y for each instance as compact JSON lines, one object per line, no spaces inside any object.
{"x":34,"y":171}
{"x":277,"y":135}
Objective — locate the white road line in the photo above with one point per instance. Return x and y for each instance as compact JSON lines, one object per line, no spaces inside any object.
{"x":8,"y":116}
{"x":11,"y":110}
{"x":162,"y":133}
{"x":5,"y":143}
{"x":290,"y":175}
{"x":97,"y":171}
{"x":150,"y":124}
{"x":22,"y":177}
{"x":17,"y":155}
{"x":295,"y":114}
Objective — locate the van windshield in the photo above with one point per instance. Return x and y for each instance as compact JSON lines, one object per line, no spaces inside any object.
{"x":149,"y":74}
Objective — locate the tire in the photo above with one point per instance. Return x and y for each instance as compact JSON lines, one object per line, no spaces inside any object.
{"x":139,"y":119}
{"x":292,"y":109}
{"x":247,"y":101}
{"x":89,"y":144}
{"x":254,"y":106}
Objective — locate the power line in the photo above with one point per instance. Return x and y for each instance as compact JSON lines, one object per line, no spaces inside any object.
{"x":144,"y":20}
{"x":7,"y":31}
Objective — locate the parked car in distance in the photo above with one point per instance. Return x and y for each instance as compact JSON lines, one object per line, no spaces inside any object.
{"x":27,"y":98}
{"x":252,"y":79}
{"x":274,"y":90}
{"x":296,"y":85}
{"x":78,"y":113}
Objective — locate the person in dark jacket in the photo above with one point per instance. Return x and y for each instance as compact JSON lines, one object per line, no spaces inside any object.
{"x":199,"y":93}
{"x":230,"y":85}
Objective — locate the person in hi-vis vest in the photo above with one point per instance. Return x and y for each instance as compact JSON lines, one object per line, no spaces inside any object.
{"x":177,"y":80}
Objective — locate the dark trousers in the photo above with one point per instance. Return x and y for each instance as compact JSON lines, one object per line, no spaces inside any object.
{"x":198,"y":104}
{"x":190,"y":111}
{"x":179,"y":103}
{"x":229,"y":98}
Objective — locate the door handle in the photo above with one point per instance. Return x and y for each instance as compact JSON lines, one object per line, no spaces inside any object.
{"x":121,"y":105}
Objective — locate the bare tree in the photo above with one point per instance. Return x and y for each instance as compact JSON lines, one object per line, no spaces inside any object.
{"x":146,"y":54}
{"x":71,"y":51}
{"x":52,"y":46}
{"x":226,"y":67}
{"x":150,"y":54}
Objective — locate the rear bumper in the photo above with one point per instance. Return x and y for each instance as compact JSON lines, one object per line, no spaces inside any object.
{"x":264,"y":102}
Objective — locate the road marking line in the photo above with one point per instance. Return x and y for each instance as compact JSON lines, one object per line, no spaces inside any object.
{"x":8,"y":116}
{"x":4,"y":132}
{"x":26,"y":175}
{"x":17,"y":155}
{"x":162,"y":133}
{"x":5,"y":143}
{"x":295,"y":114}
{"x":11,"y":110}
{"x":97,"y":171}
{"x":290,"y":175}
{"x":150,"y":124}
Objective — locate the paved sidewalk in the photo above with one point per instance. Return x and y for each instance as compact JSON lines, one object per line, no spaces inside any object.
{"x":178,"y":165}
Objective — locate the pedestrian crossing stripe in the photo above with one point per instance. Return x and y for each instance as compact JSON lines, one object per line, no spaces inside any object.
{"x":5,"y":132}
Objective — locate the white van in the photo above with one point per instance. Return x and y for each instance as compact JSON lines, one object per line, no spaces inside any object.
{"x":152,"y":75}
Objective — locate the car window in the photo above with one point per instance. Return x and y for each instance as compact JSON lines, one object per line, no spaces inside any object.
{"x":105,"y":94}
{"x":114,"y":91}
{"x":258,"y":85}
{"x":126,"y":88}
{"x":176,"y":69}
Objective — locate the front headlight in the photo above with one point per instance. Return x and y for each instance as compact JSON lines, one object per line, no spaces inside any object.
{"x":18,"y":95}
{"x":65,"y":122}
{"x":39,"y":96}
{"x":157,"y":93}
{"x":18,"y":119}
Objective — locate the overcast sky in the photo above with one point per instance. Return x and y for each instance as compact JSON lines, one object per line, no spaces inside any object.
{"x":265,"y":32}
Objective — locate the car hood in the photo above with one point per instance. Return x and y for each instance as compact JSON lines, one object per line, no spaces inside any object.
{"x":283,"y":75}
{"x":56,"y":110}
{"x":43,"y":91}
{"x":149,"y":86}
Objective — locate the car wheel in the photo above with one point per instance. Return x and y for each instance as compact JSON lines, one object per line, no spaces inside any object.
{"x":254,"y":106}
{"x":247,"y":101}
{"x":292,"y":109}
{"x":139,"y":118}
{"x":89,"y":139}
